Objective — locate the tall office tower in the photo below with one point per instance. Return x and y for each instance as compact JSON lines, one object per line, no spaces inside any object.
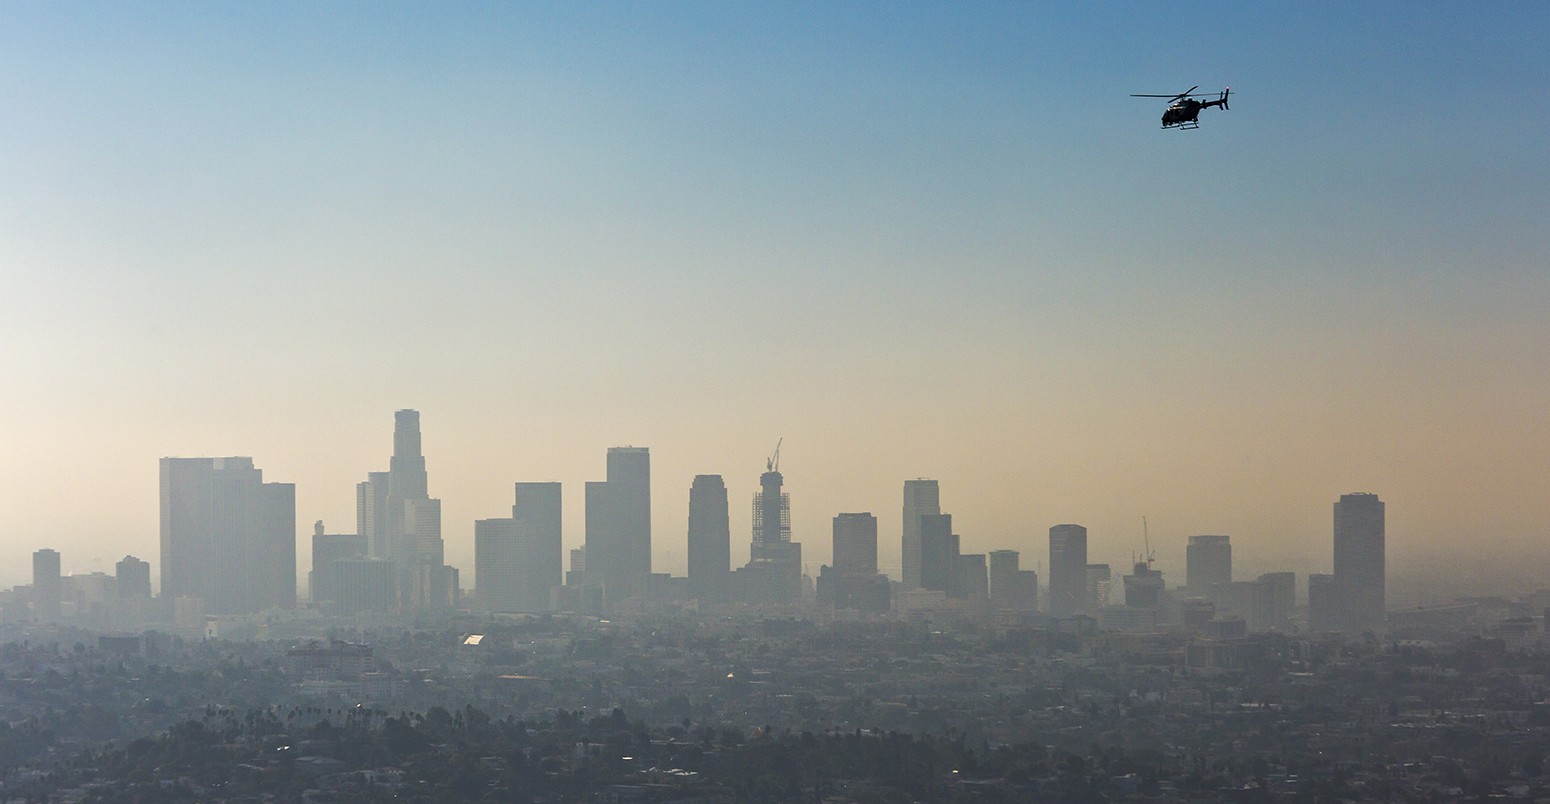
{"x":518,"y":560}
{"x":1207,"y":562}
{"x":1323,"y":603}
{"x":1067,"y":570}
{"x":1003,"y":579}
{"x":536,"y":510}
{"x":619,"y":525}
{"x":921,"y":497}
{"x":937,"y":556}
{"x":1279,"y":599}
{"x":47,"y":590}
{"x":1100,"y":583}
{"x":1359,"y":560}
{"x":227,"y":537}
{"x":371,"y":512}
{"x":710,"y":538}
{"x":498,"y":564}
{"x":402,"y":523}
{"x":855,"y":544}
{"x":970,"y":581}
{"x":134,"y":577}
{"x":327,"y":550}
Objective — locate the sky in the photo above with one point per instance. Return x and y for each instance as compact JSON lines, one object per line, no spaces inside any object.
{"x":929,"y":240}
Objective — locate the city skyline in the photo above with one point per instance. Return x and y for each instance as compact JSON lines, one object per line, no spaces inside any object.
{"x":927,"y":242}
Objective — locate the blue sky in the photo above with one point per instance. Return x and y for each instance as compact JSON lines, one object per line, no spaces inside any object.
{"x":936,"y":240}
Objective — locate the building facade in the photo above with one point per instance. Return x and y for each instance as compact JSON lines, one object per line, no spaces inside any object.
{"x":227,"y":537}
{"x":1067,"y":570}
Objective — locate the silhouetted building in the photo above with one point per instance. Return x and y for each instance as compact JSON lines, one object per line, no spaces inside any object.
{"x":619,"y":525}
{"x":517,"y":560}
{"x":922,"y":497}
{"x":1011,"y":588}
{"x":371,"y":517}
{"x":1144,"y":587}
{"x":227,"y":537}
{"x":710,"y":538}
{"x":1207,"y":562}
{"x":1067,"y":570}
{"x":937,"y":553}
{"x":133,"y":578}
{"x":365,"y":585}
{"x":47,"y":593}
{"x":1279,"y":601}
{"x":1323,"y":603}
{"x":537,"y":511}
{"x":1100,"y":586}
{"x":853,"y":582}
{"x":402,"y":523}
{"x":971,"y":582}
{"x":855,"y":544}
{"x":1359,"y":560}
{"x":327,"y":550}
{"x":774,"y":571}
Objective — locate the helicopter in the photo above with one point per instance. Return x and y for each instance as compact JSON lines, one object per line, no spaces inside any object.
{"x":1183,"y":109}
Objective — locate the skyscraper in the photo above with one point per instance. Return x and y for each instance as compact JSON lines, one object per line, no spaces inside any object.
{"x":518,"y":560}
{"x":619,"y":525}
{"x":327,"y":550}
{"x":855,"y":544}
{"x":938,"y":569}
{"x":710,"y":538}
{"x":536,"y":510}
{"x":402,"y":523}
{"x":1067,"y":570}
{"x":1207,"y":562}
{"x":498,"y":564}
{"x":921,"y":497}
{"x":227,"y":537}
{"x":47,"y":590}
{"x":371,"y":517}
{"x":134,"y":578}
{"x":1359,"y":560}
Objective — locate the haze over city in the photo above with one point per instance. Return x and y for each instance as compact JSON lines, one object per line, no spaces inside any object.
{"x":910,"y":242}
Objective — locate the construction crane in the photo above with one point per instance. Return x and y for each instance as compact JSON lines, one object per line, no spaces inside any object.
{"x":772,"y":463}
{"x":1146,"y":539}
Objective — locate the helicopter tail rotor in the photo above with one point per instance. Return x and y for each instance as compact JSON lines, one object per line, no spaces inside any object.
{"x":1225,"y":92}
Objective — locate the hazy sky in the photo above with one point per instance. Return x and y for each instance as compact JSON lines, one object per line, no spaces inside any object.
{"x":912,"y":240}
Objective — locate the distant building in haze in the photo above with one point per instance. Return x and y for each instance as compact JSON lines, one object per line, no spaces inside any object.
{"x":938,"y":553}
{"x":1359,"y":560}
{"x":133,"y":577}
{"x":774,"y":570}
{"x":537,"y":511}
{"x":1207,"y":562}
{"x":618,"y":526}
{"x":1067,"y":570}
{"x":401,"y":522}
{"x":1323,"y":603}
{"x":1011,"y":588}
{"x":1100,"y":586}
{"x":852,"y":582}
{"x":517,"y":560}
{"x":327,"y":550}
{"x":227,"y":537}
{"x":921,"y":497}
{"x":855,"y":544}
{"x":47,"y":589}
{"x":710,"y":538}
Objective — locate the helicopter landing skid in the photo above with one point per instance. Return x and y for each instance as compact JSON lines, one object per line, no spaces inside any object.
{"x":1186,"y":126}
